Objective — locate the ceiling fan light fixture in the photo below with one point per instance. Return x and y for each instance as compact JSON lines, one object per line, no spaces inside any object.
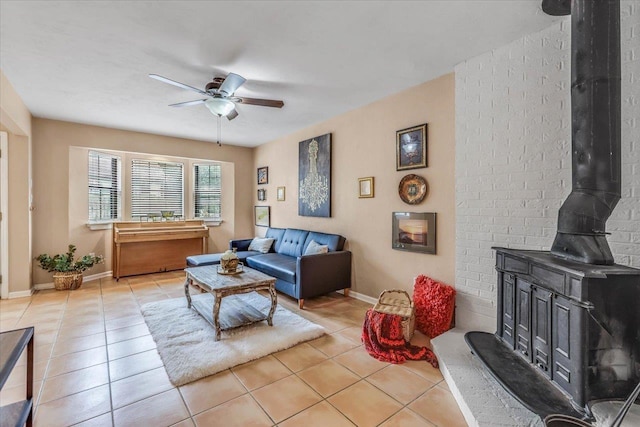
{"x":220,"y":106}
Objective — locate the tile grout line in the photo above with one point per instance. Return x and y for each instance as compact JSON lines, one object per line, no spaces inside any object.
{"x":106,"y":349}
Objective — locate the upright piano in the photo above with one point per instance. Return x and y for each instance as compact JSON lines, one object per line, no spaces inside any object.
{"x":152,"y":247}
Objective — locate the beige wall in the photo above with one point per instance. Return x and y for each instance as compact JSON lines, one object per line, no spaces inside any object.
{"x":363,"y":144}
{"x":60,"y":193}
{"x":14,"y":114}
{"x":15,"y":119}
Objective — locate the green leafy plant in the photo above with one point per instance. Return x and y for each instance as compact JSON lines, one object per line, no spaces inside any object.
{"x":67,"y":262}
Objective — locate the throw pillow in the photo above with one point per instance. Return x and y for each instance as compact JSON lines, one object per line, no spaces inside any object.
{"x":316,"y":248}
{"x":261,"y":244}
{"x":435,"y":303}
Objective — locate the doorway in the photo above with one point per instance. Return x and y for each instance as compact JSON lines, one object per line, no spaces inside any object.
{"x":4,"y":215}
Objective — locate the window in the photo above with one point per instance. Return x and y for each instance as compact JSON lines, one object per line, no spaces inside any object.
{"x":104,"y":187}
{"x":156,"y":186}
{"x":207,"y":191}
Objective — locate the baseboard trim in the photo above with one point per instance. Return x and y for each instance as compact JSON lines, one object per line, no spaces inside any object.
{"x":20,"y":294}
{"x":361,"y":297}
{"x":45,"y":286}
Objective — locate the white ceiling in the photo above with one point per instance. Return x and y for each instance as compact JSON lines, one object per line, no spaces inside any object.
{"x":88,"y":62}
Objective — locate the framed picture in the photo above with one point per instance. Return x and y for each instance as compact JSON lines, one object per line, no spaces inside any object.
{"x":414,"y":232}
{"x":263,"y":175}
{"x":262,"y":195}
{"x":365,"y":187}
{"x":262,"y":216}
{"x":411,"y":148}
{"x":314,"y":177}
{"x":280,"y":194}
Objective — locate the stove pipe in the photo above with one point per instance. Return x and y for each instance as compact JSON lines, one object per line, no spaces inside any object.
{"x":595,"y":129}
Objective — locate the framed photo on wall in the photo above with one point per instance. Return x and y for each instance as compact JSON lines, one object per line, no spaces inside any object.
{"x":262,"y":194}
{"x":263,"y":175}
{"x":280,"y":194}
{"x":411,"y":148}
{"x":262,"y":216}
{"x":414,"y":232}
{"x":365,"y":187}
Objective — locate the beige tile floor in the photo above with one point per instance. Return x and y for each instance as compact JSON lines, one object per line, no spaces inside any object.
{"x":97,"y":365}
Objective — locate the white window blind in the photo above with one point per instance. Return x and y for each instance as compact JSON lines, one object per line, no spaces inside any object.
{"x":156,"y":186}
{"x":207,"y":191}
{"x":105,"y":195}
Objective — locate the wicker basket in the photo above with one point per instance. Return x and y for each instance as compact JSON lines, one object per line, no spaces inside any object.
{"x":68,"y":280}
{"x":398,"y":302}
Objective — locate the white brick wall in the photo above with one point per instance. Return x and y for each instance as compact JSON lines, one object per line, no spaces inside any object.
{"x":513,"y":163}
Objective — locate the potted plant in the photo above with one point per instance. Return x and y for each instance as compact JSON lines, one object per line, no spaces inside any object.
{"x":67,"y":270}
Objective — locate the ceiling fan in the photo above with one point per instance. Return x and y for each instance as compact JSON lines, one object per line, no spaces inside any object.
{"x":221,"y":99}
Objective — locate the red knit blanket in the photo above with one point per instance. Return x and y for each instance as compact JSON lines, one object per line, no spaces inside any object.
{"x":383,"y":339}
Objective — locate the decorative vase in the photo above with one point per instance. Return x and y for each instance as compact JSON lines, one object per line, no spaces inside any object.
{"x":67,"y":280}
{"x":229,"y":261}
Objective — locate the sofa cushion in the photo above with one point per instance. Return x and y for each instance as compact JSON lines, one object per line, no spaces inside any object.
{"x":213,"y":259}
{"x":202,"y":260}
{"x":293,"y":242}
{"x":277,"y":265}
{"x":243,"y":255}
{"x":261,"y":244}
{"x":314,"y":248}
{"x":334,"y":242}
{"x":275,"y":233}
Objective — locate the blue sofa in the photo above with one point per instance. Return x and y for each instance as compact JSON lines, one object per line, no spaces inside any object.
{"x":297,"y":275}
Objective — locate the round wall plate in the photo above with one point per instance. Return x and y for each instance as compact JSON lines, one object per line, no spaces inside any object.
{"x":412,"y":189}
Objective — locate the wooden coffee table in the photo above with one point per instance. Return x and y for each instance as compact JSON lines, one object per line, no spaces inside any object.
{"x":208,"y":279}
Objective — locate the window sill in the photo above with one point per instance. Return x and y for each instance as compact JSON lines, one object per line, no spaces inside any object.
{"x":108,"y":225}
{"x":103,"y":225}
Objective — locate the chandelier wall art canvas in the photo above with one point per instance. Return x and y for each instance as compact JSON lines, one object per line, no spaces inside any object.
{"x":314,"y":177}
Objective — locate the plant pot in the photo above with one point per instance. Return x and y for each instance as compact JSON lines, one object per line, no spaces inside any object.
{"x":68,"y":280}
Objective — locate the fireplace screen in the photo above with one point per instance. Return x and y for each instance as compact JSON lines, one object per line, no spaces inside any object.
{"x":414,"y":231}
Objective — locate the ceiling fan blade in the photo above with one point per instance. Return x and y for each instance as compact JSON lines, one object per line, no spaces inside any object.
{"x":233,"y":114}
{"x":178,"y":84}
{"x":188,"y":103}
{"x":261,"y":102}
{"x":231,"y":84}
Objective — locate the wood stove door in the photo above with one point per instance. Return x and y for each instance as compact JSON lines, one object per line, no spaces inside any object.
{"x":523,"y":318}
{"x":541,"y":329}
{"x":506,"y":295}
{"x":567,"y":344}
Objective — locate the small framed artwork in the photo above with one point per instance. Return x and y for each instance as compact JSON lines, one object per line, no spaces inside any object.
{"x":263,"y":175}
{"x":262,"y":216}
{"x":280,"y":194}
{"x":262,"y":195}
{"x":411,"y":148}
{"x":365,"y":187}
{"x":414,"y":232}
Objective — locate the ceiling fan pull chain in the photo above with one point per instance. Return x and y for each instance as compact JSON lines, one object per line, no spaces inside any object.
{"x":219,"y":131}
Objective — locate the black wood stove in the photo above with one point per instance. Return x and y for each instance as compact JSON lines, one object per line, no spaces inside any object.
{"x":568,"y":321}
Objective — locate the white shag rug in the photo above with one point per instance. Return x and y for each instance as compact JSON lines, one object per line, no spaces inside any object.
{"x":186,"y":341}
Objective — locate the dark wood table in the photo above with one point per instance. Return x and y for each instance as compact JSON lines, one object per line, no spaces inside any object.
{"x":12,"y":344}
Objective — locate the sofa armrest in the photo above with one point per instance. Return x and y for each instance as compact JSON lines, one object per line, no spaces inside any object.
{"x":241,"y":244}
{"x":323,"y":273}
